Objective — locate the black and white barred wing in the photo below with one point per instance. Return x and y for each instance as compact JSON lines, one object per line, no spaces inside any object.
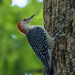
{"x":38,"y":41}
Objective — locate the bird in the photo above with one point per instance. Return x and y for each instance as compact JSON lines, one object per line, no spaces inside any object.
{"x":40,"y":41}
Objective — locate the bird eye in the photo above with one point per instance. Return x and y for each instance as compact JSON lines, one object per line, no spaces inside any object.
{"x":24,"y":19}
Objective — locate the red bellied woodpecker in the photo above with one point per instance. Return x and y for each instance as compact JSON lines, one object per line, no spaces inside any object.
{"x":40,"y":41}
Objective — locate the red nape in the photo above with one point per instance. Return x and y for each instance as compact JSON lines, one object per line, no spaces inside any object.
{"x":22,"y":30}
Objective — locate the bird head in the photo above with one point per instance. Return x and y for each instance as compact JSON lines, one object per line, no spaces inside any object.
{"x":23,"y":24}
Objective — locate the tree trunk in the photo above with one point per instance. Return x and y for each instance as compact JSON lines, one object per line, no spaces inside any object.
{"x":59,"y":17}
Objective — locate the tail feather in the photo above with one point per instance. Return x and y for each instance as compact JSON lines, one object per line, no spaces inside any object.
{"x":50,"y":72}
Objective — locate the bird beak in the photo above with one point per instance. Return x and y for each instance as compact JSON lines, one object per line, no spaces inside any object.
{"x":31,"y":17}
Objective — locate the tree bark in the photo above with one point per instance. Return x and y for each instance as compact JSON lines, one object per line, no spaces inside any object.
{"x":59,"y":17}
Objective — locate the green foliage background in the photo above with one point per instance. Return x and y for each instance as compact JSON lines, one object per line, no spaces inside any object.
{"x":16,"y":55}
